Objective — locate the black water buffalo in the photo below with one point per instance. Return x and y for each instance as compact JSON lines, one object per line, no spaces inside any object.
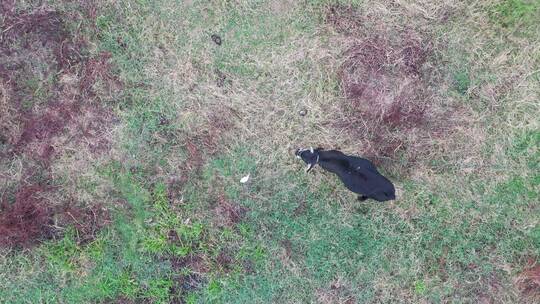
{"x":358,"y":174}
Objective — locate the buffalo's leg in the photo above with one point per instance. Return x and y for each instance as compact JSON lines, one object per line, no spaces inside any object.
{"x":362,"y":198}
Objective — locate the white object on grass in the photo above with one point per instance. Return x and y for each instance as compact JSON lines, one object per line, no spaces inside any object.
{"x":244,"y":179}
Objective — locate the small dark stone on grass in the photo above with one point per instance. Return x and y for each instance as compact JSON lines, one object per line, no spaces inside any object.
{"x":216,"y":39}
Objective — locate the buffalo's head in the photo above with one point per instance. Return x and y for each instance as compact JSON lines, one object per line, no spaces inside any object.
{"x":309,"y":156}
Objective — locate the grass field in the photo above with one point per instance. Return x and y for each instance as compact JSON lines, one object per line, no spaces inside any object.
{"x":125,"y":130}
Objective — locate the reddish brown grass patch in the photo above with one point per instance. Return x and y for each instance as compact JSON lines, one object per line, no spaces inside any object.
{"x":40,"y":38}
{"x":344,"y":19}
{"x":387,"y":106}
{"x":26,"y":219}
{"x":37,"y":128}
{"x":98,"y":70}
{"x":30,"y":30}
{"x":528,"y":281}
{"x":9,"y":118}
{"x":30,"y":217}
{"x":227,"y":213}
{"x":60,"y":125}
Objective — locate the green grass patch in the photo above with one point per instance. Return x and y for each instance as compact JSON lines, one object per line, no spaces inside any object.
{"x":512,"y":13}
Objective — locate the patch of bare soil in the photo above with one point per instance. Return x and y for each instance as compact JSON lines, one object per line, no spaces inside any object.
{"x":387,"y":106}
{"x":50,"y":105}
